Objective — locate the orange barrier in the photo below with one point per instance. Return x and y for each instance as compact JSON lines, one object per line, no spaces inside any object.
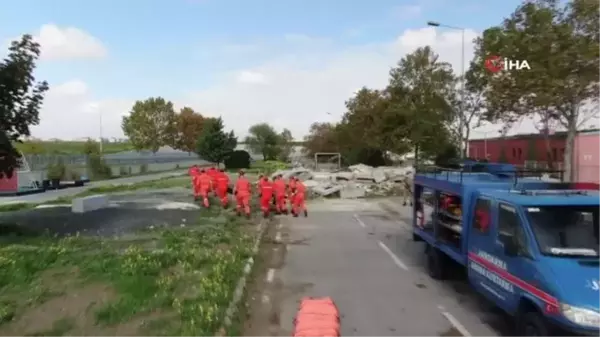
{"x":317,"y":317}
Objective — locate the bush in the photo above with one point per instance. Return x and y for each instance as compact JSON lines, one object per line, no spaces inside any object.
{"x":98,"y":168}
{"x":269,"y":167}
{"x":123,"y":171}
{"x":144,"y":168}
{"x":239,"y":159}
{"x":56,"y":170}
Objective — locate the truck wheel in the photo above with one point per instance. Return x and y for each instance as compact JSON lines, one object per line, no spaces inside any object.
{"x":416,"y":238}
{"x":532,"y":324}
{"x":435,"y":264}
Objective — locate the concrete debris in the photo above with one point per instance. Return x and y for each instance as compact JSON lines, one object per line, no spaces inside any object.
{"x":357,"y":181}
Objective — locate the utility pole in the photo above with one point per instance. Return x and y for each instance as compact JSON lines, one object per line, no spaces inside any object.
{"x":461,"y":118}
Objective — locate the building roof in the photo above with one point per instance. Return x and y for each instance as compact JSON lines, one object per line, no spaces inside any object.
{"x":545,"y":197}
{"x":527,"y":136}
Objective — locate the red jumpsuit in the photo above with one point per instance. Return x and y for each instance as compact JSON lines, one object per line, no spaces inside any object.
{"x":279,"y":190}
{"x":212,"y":173}
{"x":204,"y":186}
{"x":291,"y":190}
{"x":266,"y":194}
{"x":242,"y":195}
{"x":298,"y":199}
{"x":222,"y":183}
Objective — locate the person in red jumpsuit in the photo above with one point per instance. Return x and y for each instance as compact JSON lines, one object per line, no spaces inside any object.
{"x":204,"y":184}
{"x":222,"y":184}
{"x":291,"y":186}
{"x":213,"y":173}
{"x":299,"y":198}
{"x":242,"y":195}
{"x":266,"y":194}
{"x":194,"y":171}
{"x":279,"y":190}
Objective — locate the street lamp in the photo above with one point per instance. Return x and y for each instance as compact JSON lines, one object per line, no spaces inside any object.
{"x":462,"y":81}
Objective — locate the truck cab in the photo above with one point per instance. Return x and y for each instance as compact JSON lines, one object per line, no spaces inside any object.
{"x":530,"y":247}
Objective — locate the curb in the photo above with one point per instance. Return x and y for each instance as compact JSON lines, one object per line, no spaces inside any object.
{"x":242,"y":282}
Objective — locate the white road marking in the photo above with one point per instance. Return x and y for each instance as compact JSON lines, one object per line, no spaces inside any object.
{"x":360,"y":222}
{"x":278,"y":237}
{"x":454,"y":322}
{"x":270,"y":275}
{"x":265,"y":298}
{"x":396,"y":259}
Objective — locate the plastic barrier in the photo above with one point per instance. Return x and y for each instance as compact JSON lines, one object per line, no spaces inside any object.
{"x":317,"y":317}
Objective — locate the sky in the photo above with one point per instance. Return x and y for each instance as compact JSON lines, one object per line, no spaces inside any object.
{"x":286,"y":62}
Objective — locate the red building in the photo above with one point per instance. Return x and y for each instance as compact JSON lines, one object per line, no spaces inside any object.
{"x":531,"y":151}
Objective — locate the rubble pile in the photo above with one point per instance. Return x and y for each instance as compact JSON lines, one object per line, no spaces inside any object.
{"x":356,"y":181}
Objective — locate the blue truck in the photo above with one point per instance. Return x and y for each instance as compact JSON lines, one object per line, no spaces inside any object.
{"x":529,"y":246}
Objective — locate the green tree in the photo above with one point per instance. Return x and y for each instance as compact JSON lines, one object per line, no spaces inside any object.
{"x":560,"y":42}
{"x":189,"y":127}
{"x":264,"y":139}
{"x":286,"y":145}
{"x":20,"y":99}
{"x":321,"y":137}
{"x":214,"y":144}
{"x":422,"y":101}
{"x":151,"y":124}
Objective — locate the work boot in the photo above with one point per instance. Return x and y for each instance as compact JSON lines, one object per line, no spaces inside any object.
{"x":238,"y":213}
{"x":404,"y":203}
{"x":265,"y":214}
{"x":248,"y":216}
{"x":305,"y":213}
{"x":295,"y":214}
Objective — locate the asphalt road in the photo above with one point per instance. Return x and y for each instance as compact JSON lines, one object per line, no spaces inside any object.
{"x":55,"y":194}
{"x":363,"y":257}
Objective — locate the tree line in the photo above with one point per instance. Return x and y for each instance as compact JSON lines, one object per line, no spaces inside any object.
{"x":153,"y":123}
{"x":428,"y":107}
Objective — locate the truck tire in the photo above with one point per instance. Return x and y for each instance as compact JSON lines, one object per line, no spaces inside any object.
{"x":416,"y":238}
{"x":532,"y":324}
{"x":435,"y":263}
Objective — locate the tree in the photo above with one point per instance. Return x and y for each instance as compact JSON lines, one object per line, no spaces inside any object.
{"x":286,"y":145}
{"x":214,"y":144}
{"x":422,"y":94}
{"x":20,"y":99}
{"x":321,"y":138}
{"x":151,"y":124}
{"x":189,"y":127}
{"x":264,"y":139}
{"x":560,"y":43}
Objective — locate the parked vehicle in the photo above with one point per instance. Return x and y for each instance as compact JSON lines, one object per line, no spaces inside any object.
{"x":529,"y":246}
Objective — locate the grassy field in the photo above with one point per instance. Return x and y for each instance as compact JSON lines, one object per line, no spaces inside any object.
{"x":67,"y":147}
{"x":161,"y":281}
{"x":168,"y":182}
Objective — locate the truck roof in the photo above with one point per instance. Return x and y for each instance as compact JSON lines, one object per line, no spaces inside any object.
{"x":545,"y":197}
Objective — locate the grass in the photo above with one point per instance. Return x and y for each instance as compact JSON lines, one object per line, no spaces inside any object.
{"x":67,"y":147}
{"x":162,"y":281}
{"x":167,"y":182}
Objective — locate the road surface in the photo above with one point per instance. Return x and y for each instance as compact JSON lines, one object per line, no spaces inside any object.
{"x":55,"y":194}
{"x":362,"y":256}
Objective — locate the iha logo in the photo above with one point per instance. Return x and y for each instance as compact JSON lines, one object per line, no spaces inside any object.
{"x":495,"y":64}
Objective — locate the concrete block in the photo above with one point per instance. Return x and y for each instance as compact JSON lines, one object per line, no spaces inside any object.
{"x":89,"y":203}
{"x":352,"y":192}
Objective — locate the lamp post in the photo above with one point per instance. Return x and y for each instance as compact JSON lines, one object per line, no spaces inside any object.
{"x":462,"y":81}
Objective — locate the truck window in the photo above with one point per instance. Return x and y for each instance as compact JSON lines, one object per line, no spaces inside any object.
{"x":481,"y":220}
{"x":569,"y":231}
{"x":509,"y":224}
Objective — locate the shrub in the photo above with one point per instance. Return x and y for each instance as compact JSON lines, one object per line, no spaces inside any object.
{"x":144,"y":168}
{"x":239,"y":159}
{"x":269,"y":167}
{"x":123,"y":171}
{"x":98,"y":168}
{"x":56,"y":169}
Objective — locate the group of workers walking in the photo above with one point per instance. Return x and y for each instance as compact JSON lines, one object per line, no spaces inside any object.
{"x":276,"y":192}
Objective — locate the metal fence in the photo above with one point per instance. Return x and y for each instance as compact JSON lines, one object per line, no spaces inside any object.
{"x":39,"y":162}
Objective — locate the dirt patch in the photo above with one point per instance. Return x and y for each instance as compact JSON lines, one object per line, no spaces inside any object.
{"x":65,"y":313}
